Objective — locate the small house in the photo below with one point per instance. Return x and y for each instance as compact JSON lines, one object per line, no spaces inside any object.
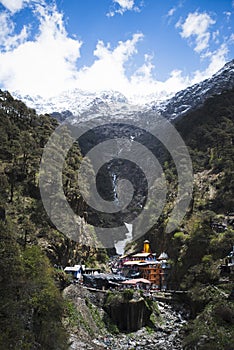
{"x":228,"y":266}
{"x":75,"y":271}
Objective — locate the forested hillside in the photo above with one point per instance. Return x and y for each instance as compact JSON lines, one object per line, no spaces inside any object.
{"x":209,"y":134}
{"x":31,"y":307}
{"x":206,"y":235}
{"x":203,"y":242}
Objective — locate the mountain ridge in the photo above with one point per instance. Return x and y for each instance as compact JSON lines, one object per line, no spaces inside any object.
{"x":182,"y":102}
{"x":77,"y":102}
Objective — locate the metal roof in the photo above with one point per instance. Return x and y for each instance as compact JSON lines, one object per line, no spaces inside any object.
{"x":163,"y":256}
{"x":136,"y":280}
{"x":132,"y":262}
{"x":141,"y":255}
{"x":72,"y":268}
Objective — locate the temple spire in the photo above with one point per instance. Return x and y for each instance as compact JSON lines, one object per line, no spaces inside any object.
{"x":146,"y":248}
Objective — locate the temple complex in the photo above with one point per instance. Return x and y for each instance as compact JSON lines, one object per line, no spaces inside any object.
{"x":145,"y":265}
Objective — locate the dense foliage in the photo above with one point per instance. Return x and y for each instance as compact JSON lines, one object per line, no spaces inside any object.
{"x":206,"y":236}
{"x":31,"y":308}
{"x":209,"y":134}
{"x":197,"y":245}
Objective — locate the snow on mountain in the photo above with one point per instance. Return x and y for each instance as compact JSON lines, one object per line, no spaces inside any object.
{"x":195,"y":95}
{"x":80,"y":103}
{"x":76,"y":101}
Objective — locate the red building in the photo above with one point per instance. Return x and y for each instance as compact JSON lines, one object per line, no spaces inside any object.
{"x":146,"y":265}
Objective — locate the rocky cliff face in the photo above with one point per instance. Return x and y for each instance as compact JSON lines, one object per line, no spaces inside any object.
{"x":128,"y":315}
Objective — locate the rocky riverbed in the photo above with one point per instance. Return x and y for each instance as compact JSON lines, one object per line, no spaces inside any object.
{"x":167,"y":334}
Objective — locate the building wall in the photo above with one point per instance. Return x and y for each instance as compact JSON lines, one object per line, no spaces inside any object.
{"x":155,"y":274}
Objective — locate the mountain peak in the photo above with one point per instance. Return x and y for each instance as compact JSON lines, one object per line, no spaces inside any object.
{"x":79,"y":102}
{"x":194,"y":96}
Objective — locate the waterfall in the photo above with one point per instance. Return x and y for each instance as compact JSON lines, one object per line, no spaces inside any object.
{"x":114,"y":182}
{"x":120,"y":245}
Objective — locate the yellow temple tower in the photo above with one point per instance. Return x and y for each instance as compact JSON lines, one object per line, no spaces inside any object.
{"x":146,"y":248}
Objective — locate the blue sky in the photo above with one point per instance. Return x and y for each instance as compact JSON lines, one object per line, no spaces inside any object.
{"x":137,"y":47}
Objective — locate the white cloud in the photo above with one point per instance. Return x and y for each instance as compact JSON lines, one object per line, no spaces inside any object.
{"x":197,"y":25}
{"x":228,"y":15}
{"x":144,"y":87}
{"x":121,"y":6}
{"x":217,"y":61}
{"x":171,"y":12}
{"x":215,"y":36}
{"x":231,"y":39}
{"x":108,"y":72}
{"x":8,"y":39}
{"x":125,"y":4}
{"x":14,"y":5}
{"x":45,"y":65}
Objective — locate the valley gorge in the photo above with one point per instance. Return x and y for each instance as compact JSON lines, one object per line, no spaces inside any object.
{"x":43,"y":307}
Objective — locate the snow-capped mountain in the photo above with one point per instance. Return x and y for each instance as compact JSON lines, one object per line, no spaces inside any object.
{"x":79,"y":103}
{"x":195,"y":95}
{"x":76,"y":101}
